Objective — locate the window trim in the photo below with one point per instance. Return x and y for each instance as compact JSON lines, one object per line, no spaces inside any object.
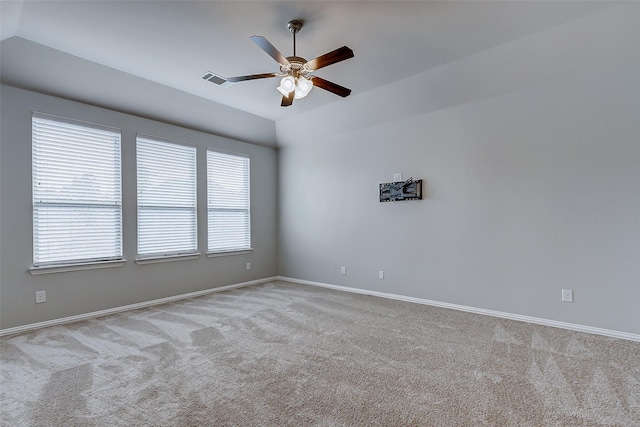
{"x":228,"y":253}
{"x":62,"y":268}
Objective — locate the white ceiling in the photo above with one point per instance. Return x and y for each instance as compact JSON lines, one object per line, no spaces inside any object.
{"x":172,"y":43}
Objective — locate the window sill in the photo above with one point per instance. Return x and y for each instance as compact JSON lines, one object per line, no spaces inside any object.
{"x":227,"y":253}
{"x":167,"y":258}
{"x":76,"y":267}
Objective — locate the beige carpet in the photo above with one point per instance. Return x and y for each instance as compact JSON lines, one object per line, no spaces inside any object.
{"x":281,"y":354}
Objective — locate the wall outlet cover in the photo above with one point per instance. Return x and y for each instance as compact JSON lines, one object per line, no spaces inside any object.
{"x":567,"y":295}
{"x":41,"y":296}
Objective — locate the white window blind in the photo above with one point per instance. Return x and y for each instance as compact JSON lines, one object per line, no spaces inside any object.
{"x":228,"y":208}
{"x":166,"y":198}
{"x":77,"y":202}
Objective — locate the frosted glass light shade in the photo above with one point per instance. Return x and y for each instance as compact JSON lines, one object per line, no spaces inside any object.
{"x":303,"y":87}
{"x":287,"y":84}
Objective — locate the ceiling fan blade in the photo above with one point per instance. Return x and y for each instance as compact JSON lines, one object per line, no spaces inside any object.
{"x":331,"y":87}
{"x":251,"y":77}
{"x":271,"y":50}
{"x":332,"y":57}
{"x":287,"y":100}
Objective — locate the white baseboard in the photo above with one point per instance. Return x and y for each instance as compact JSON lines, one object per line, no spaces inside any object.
{"x":511,"y":316}
{"x":93,"y":314}
{"x":501,"y":314}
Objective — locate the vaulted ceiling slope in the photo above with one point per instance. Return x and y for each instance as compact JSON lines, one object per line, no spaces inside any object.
{"x":147,"y":58}
{"x":596,"y":43}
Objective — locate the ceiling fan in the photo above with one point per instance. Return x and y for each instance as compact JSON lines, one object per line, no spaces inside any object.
{"x":297,"y":80}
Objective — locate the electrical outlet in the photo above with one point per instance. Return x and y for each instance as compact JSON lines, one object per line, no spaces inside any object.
{"x":248,"y":266}
{"x":567,"y":295}
{"x":343,"y":270}
{"x":41,"y":296}
{"x":380,"y":274}
{"x":397,"y":177}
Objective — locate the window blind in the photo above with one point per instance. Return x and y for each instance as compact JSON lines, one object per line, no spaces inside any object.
{"x":166,"y":198}
{"x":228,"y":207}
{"x":76,"y":189}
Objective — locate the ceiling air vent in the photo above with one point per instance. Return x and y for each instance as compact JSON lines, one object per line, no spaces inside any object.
{"x":215,"y":78}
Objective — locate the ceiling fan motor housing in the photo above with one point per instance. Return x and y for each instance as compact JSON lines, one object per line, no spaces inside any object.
{"x":295,"y":66}
{"x":294,"y":26}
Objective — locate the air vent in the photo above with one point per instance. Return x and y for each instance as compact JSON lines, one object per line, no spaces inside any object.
{"x":215,"y":78}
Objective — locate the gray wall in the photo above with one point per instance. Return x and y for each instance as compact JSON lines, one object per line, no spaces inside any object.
{"x":530,"y":153}
{"x":80,"y":292}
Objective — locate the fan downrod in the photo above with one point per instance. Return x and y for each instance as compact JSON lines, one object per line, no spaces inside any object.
{"x":294,"y":26}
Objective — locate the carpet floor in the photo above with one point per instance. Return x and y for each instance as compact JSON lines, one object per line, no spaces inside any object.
{"x":281,"y":354}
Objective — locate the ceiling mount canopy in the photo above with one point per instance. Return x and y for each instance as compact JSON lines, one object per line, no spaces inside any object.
{"x":295,"y":72}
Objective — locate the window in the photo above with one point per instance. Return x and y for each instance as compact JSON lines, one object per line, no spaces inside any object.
{"x":166,"y":198}
{"x":77,"y":201}
{"x":228,"y":202}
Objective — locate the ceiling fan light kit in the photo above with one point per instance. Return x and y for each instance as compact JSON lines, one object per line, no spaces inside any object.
{"x":303,"y":87}
{"x":297,"y":80}
{"x":287,"y":84}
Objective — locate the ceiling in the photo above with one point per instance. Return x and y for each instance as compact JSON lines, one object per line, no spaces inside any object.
{"x":171,"y":44}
